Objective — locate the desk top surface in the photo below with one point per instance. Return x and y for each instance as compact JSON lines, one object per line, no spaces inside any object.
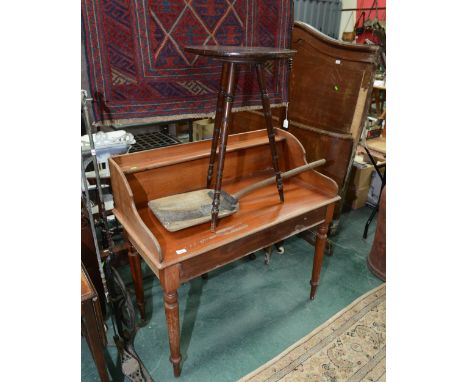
{"x":141,"y":177}
{"x":258,"y":210}
{"x":240,"y":52}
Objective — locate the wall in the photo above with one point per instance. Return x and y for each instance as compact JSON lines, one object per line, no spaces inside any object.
{"x":348,"y":19}
{"x":323,"y":15}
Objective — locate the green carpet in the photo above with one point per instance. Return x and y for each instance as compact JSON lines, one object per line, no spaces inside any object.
{"x":246,"y":312}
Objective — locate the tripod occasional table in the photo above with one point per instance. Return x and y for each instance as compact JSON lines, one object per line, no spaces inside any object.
{"x":232,"y":56}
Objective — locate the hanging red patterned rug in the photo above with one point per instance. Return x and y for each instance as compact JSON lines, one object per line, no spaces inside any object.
{"x":138,"y":70}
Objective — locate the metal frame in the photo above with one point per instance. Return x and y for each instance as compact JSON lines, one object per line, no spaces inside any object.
{"x":324,"y":15}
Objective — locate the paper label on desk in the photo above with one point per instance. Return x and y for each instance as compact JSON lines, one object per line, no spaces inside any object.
{"x":181,"y":251}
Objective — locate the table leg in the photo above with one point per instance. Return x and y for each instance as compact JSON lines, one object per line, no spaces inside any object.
{"x":320,"y":242}
{"x":170,"y":282}
{"x":217,"y":122}
{"x":271,"y":132}
{"x":94,"y":338}
{"x":135,"y":267}
{"x":190,"y":130}
{"x":171,"y":307}
{"x":225,"y":122}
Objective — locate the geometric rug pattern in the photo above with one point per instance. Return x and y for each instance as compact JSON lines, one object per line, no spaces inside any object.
{"x":138,"y":69}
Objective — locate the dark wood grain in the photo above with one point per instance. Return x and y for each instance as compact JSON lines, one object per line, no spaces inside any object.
{"x":240,"y":54}
{"x":269,"y":126}
{"x":92,"y":325}
{"x":233,"y":56}
{"x":225,"y":122}
{"x":217,"y":122}
{"x":330,"y":93}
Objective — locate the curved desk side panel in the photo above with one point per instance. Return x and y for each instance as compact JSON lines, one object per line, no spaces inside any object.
{"x":295,"y":156}
{"x":125,"y":211}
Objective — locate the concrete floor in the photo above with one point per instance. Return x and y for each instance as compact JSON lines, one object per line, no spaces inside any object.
{"x":246,"y":312}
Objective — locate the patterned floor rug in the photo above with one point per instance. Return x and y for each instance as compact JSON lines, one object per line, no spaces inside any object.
{"x":350,"y":346}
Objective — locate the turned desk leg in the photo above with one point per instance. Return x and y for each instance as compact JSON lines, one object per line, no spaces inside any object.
{"x":135,"y":267}
{"x":217,"y":122}
{"x":271,"y":131}
{"x":170,"y":282}
{"x":225,"y":122}
{"x":320,"y":243}
{"x":171,"y":307}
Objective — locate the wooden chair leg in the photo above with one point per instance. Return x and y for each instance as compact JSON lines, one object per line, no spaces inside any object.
{"x":217,"y":122}
{"x":320,"y":243}
{"x":225,"y":122}
{"x":271,"y":132}
{"x":137,"y":276}
{"x":190,"y":129}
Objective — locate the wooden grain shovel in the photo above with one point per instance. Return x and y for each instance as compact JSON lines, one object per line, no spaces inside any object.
{"x":185,"y":210}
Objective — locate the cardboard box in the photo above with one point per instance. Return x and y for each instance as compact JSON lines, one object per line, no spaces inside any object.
{"x":361,"y":176}
{"x":356,"y":197}
{"x":360,"y":197}
{"x":360,"y":184}
{"x":203,"y":129}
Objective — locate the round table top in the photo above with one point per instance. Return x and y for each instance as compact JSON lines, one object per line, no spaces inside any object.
{"x":240,"y":53}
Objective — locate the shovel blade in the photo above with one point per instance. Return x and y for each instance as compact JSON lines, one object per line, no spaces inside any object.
{"x":185,"y":210}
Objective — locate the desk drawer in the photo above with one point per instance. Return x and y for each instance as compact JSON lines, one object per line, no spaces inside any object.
{"x":218,"y":257}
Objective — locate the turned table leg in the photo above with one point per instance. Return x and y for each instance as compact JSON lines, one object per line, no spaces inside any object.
{"x":170,"y":282}
{"x":320,"y":243}
{"x":270,"y":130}
{"x":135,"y":267}
{"x":171,"y":307}
{"x":225,"y":122}
{"x":217,"y":122}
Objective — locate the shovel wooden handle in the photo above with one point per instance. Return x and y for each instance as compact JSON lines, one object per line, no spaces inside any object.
{"x":285,"y":175}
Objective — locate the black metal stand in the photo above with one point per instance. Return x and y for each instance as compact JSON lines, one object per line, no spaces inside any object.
{"x":122,"y":312}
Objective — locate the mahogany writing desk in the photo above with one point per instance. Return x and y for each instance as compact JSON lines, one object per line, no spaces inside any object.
{"x":177,"y":257}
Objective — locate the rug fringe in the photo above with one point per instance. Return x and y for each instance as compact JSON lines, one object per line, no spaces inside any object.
{"x":122,"y":123}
